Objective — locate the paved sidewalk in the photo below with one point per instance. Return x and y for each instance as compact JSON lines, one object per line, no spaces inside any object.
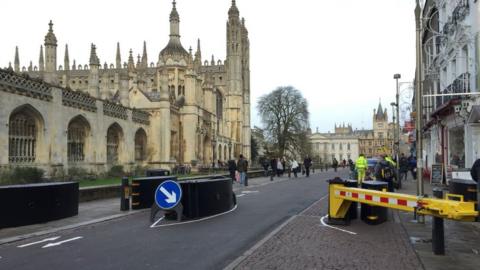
{"x":95,"y":212}
{"x":303,"y":242}
{"x":462,"y":239}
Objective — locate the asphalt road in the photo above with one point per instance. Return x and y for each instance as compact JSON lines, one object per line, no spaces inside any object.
{"x":130,"y":243}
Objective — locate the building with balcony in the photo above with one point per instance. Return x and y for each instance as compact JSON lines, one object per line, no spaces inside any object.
{"x":450,"y":62}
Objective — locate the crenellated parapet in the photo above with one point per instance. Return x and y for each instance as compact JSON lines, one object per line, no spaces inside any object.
{"x":141,"y":117}
{"x":23,"y":85}
{"x":114,"y":110}
{"x":79,"y":100}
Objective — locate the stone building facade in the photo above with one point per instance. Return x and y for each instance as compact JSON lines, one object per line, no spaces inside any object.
{"x":346,"y":143}
{"x":342,"y":144}
{"x":187,"y":110}
{"x":450,"y":41}
{"x":378,"y":140}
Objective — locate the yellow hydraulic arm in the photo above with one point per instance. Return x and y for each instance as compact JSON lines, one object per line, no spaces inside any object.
{"x":452,"y":207}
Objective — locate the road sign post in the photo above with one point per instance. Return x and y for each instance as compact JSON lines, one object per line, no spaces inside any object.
{"x":168,"y":198}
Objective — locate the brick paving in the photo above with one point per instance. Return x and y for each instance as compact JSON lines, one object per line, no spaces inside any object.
{"x":306,"y":244}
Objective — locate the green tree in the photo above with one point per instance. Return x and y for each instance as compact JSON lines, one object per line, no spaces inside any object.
{"x":284,"y":112}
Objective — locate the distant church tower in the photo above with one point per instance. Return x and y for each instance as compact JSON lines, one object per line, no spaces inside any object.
{"x":238,"y":79}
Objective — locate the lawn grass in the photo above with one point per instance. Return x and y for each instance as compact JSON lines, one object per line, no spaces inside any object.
{"x":100,"y":182}
{"x":118,"y":180}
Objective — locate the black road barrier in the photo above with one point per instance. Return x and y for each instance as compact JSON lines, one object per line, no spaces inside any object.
{"x":374,"y":215}
{"x":438,"y":237}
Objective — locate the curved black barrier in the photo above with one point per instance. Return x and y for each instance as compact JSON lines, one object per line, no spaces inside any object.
{"x":206,"y":197}
{"x":143,"y":190}
{"x":37,"y":203}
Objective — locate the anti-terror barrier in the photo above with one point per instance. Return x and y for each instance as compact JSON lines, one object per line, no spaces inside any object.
{"x":37,"y":203}
{"x":453,"y":206}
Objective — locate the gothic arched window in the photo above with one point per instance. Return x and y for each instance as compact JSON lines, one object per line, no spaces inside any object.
{"x":114,"y":134}
{"x":76,"y":141}
{"x":22,"y":137}
{"x":219,"y":105}
{"x":140,"y":145}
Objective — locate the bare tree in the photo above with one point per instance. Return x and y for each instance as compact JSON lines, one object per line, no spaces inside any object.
{"x":284,"y":113}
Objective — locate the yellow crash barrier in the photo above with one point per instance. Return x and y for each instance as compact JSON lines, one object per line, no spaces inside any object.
{"x":340,"y":198}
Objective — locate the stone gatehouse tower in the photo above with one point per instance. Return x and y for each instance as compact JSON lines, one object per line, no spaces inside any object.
{"x":177,"y":109}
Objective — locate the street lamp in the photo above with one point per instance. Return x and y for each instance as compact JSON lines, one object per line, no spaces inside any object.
{"x":397,"y":128}
{"x":418,"y":103}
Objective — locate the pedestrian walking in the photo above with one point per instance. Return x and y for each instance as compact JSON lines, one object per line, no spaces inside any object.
{"x":242,"y":167}
{"x":412,"y":166}
{"x":295,"y":167}
{"x":335,"y":164}
{"x":232,"y":167}
{"x":361,"y":166}
{"x":273,"y":165}
{"x":265,"y":167}
{"x":279,"y":167}
{"x":403,"y":167}
{"x":307,"y":162}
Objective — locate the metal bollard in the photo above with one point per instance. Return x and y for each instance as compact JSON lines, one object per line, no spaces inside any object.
{"x":438,"y":237}
{"x":125,"y":195}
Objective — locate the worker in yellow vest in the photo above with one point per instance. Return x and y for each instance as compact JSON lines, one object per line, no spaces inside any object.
{"x":389,"y":159}
{"x":361,"y":165}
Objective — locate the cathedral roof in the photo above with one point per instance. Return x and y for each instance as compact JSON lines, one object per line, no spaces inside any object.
{"x":174,"y":48}
{"x":50,"y":38}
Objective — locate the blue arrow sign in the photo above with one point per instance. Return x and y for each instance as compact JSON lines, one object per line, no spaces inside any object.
{"x":168,"y":194}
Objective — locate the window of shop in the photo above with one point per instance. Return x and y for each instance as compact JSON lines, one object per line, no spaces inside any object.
{"x":457,"y":147}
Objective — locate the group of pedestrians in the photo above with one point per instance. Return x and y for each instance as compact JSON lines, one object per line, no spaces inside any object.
{"x":279,"y":166}
{"x":240,"y":167}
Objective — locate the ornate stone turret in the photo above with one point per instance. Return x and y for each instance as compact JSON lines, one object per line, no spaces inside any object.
{"x":17,"y":60}
{"x":131,"y":62}
{"x":50,"y":55}
{"x":174,"y":48}
{"x":93,"y":78}
{"x":198,"y":57}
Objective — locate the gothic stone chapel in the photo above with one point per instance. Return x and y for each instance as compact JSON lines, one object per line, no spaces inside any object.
{"x":178,"y":110}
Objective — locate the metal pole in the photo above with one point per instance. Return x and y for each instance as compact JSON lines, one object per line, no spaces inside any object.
{"x":418,"y":105}
{"x":125,"y":195}
{"x":397,"y":131}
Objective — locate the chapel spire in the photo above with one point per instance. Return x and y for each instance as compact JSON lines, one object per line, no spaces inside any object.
{"x":66,"y":59}
{"x":41,"y":62}
{"x":144,"y":56}
{"x":118,"y":58}
{"x":17,"y":60}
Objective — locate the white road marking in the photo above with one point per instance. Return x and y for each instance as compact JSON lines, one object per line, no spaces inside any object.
{"x":41,"y":241}
{"x":241,"y":195}
{"x":61,"y":242}
{"x":249,"y":191}
{"x":191,"y":221}
{"x":326,"y":225}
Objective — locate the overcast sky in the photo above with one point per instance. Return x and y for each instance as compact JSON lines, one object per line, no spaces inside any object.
{"x":340,"y":54}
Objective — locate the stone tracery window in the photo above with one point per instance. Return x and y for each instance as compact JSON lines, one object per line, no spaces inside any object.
{"x":22,"y":137}
{"x":114,"y":134}
{"x":140,"y":145}
{"x":76,"y":141}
